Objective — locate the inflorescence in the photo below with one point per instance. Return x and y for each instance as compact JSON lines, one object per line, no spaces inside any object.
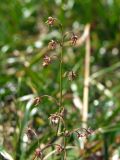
{"x":58,"y":118}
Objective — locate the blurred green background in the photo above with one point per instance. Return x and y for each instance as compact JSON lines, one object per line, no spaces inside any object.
{"x":24,"y":37}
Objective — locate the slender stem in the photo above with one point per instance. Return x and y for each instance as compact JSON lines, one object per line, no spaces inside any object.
{"x":61,"y":64}
{"x":105,"y":139}
{"x":34,"y":157}
{"x":54,"y":151}
{"x":61,"y":101}
{"x":60,"y":78}
{"x":65,"y":154}
{"x":54,"y":99}
{"x":61,"y":57}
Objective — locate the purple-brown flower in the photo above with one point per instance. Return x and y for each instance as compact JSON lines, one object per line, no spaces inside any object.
{"x":46,"y":61}
{"x":38,"y":153}
{"x":54,"y":119}
{"x":50,"y":21}
{"x":71,"y":75}
{"x":74,"y":39}
{"x":59,"y":149}
{"x":52,"y":45}
{"x":37,"y":100}
{"x":81,"y":135}
{"x":31,"y":134}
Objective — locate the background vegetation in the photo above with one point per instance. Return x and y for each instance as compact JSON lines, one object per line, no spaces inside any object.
{"x":24,"y":37}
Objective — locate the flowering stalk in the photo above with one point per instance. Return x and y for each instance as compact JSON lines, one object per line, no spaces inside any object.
{"x":61,"y":66}
{"x":60,"y":80}
{"x":58,"y":117}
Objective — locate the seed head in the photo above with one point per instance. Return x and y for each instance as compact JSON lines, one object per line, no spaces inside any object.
{"x":52,"y":45}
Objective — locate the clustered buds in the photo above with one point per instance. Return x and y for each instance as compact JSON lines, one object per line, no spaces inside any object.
{"x":50,"y":21}
{"x":74,"y":39}
{"x":54,"y":119}
{"x":71,"y":75}
{"x":52,"y":45}
{"x":37,"y":100}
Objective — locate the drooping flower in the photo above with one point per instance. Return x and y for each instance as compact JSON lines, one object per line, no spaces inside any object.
{"x":52,"y":45}
{"x":46,"y":61}
{"x":50,"y":21}
{"x":38,"y":153}
{"x":37,"y":100}
{"x":59,"y":149}
{"x":81,"y":135}
{"x":74,"y":39}
{"x":71,"y":75}
{"x":31,"y":134}
{"x":54,"y":119}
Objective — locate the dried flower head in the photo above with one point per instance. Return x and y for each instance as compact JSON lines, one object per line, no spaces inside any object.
{"x":31,"y":134}
{"x":74,"y":39}
{"x":54,"y":119}
{"x":52,"y":45}
{"x":71,"y":75}
{"x":46,"y":61}
{"x":37,"y":100}
{"x":59,"y":149}
{"x":50,"y":21}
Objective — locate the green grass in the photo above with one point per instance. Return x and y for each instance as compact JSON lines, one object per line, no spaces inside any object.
{"x":22,"y":76}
